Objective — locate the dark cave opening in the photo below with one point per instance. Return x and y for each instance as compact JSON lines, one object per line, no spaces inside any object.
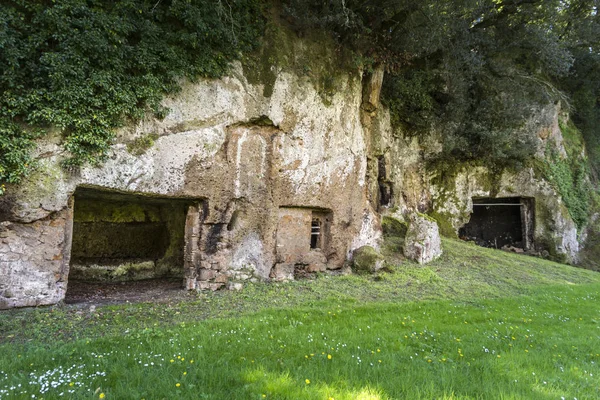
{"x":120,"y":237}
{"x":500,"y":222}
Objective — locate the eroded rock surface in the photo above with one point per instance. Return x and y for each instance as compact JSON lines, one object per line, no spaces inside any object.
{"x":422,"y":243}
{"x":366,"y":259}
{"x":273,"y":179}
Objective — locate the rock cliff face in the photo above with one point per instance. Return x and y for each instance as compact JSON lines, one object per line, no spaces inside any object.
{"x":243,"y":183}
{"x":270,"y":183}
{"x":448,"y":193}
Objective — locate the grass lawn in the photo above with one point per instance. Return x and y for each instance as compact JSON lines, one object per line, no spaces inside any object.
{"x":477,"y":323}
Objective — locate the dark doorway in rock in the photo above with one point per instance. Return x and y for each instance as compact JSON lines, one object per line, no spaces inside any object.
{"x":385,"y":186}
{"x":501,"y":222}
{"x":120,"y":237}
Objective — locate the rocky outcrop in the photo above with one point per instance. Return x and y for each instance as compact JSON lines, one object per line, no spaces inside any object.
{"x":273,"y":180}
{"x":243,"y":161}
{"x":422,"y":243}
{"x":366,"y":259}
{"x":34,"y":261}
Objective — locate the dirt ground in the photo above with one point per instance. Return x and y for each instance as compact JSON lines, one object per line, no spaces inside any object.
{"x":154,"y":290}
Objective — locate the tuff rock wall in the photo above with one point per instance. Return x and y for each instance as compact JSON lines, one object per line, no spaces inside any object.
{"x":258,"y":163}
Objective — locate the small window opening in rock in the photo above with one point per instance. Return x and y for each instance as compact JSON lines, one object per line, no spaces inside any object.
{"x":501,"y":223}
{"x":119,"y":237}
{"x":315,"y":233}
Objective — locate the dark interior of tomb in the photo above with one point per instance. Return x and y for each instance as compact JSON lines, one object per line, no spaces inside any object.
{"x":125,"y":237}
{"x":385,"y":187}
{"x":497,"y":222}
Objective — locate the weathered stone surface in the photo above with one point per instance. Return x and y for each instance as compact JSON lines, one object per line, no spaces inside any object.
{"x":261,"y":168}
{"x":554,"y":231}
{"x":207,"y":274}
{"x":34,"y":275}
{"x":283,"y":272}
{"x":235,"y":286}
{"x":366,"y":259}
{"x":372,"y":89}
{"x":422,"y":242}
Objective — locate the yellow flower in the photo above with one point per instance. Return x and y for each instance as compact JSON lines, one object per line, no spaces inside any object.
{"x":171,"y":360}
{"x":101,"y":396}
{"x":178,"y":384}
{"x":307,"y":381}
{"x":185,"y":373}
{"x":264,"y":395}
{"x":329,"y":356}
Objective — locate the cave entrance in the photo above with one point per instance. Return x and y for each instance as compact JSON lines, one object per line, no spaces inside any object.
{"x":500,"y":222}
{"x":120,"y":237}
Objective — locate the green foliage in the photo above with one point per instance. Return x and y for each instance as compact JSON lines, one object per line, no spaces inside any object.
{"x":15,"y":144}
{"x":476,"y":70}
{"x":584,"y":84}
{"x":140,"y":145}
{"x":87,"y":66}
{"x":570,"y":177}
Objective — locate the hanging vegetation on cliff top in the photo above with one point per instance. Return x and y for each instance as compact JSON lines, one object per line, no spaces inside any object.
{"x":475,"y":69}
{"x":86,"y":66}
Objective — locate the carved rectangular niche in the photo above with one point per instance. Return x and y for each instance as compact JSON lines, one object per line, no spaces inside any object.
{"x":123,"y":237}
{"x":499,"y":222}
{"x":301,"y":231}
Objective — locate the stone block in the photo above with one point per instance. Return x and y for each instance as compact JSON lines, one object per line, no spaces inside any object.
{"x":190,"y":283}
{"x":235,"y":286}
{"x":314,"y":257}
{"x":207,"y":274}
{"x":316,"y":267}
{"x":203,"y":285}
{"x":282,"y":272}
{"x":366,"y":259}
{"x":422,"y":243}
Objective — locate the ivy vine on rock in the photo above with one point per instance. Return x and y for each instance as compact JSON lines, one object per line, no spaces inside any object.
{"x":86,"y":67}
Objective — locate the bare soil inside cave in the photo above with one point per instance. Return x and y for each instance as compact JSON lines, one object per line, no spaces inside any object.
{"x":151,"y":290}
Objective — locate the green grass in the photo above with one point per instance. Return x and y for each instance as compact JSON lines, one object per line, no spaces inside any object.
{"x":477,"y":323}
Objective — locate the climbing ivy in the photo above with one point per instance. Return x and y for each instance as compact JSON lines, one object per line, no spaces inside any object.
{"x":85,"y":67}
{"x":570,"y":175}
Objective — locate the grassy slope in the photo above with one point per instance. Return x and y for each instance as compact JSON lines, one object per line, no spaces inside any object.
{"x":464,"y":272}
{"x":477,"y":323}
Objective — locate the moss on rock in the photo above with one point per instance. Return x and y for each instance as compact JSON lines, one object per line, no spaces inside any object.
{"x":444,"y":223}
{"x":97,"y":211}
{"x":366,"y":259}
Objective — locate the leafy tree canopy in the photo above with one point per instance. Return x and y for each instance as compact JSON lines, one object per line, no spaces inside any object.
{"x":476,"y":68}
